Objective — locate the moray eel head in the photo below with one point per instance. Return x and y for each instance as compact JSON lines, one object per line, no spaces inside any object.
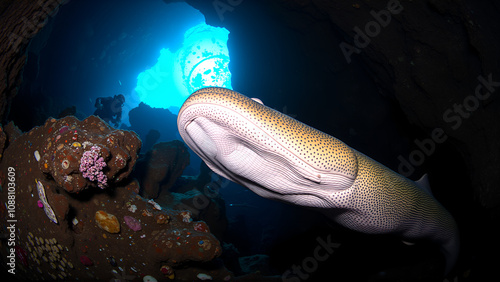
{"x":224,"y":127}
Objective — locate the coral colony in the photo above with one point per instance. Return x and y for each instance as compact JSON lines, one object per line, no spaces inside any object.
{"x":68,"y":235}
{"x":91,"y":165}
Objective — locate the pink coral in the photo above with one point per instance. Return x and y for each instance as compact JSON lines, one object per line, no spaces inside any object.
{"x":132,"y":223}
{"x":91,"y":165}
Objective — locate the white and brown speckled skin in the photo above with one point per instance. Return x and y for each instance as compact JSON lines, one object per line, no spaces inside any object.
{"x":281,"y":158}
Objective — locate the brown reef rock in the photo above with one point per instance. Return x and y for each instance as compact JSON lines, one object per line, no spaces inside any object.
{"x":62,"y":143}
{"x":161,"y":167}
{"x":85,"y":241}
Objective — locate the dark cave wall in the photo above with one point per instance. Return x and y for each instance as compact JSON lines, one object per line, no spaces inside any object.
{"x":414,"y":70}
{"x":20,"y":21}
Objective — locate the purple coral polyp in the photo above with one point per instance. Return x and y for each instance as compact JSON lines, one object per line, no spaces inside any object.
{"x":91,"y":166}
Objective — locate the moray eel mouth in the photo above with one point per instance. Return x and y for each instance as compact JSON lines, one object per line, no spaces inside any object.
{"x":271,"y":153}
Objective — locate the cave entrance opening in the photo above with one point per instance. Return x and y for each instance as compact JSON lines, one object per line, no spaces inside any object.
{"x":201,"y":61}
{"x":150,"y":52}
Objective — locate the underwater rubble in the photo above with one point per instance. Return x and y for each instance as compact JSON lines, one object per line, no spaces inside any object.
{"x":80,"y":217}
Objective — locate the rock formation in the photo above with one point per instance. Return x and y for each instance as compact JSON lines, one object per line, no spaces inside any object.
{"x":78,"y":155}
{"x":68,"y":228}
{"x":161,"y":166}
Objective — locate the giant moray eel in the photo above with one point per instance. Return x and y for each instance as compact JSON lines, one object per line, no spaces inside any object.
{"x":281,"y":158}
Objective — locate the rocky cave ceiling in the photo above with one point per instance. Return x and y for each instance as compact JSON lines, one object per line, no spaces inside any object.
{"x":432,"y":58}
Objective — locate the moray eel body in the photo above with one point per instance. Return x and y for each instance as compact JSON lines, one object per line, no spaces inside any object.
{"x":281,"y":158}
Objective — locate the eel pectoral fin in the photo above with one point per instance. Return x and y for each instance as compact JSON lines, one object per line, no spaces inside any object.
{"x":423,"y":183}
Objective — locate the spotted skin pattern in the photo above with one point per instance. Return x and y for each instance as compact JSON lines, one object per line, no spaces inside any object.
{"x":281,"y":158}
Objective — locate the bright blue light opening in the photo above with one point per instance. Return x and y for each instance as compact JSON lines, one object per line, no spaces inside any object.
{"x":202,"y":61}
